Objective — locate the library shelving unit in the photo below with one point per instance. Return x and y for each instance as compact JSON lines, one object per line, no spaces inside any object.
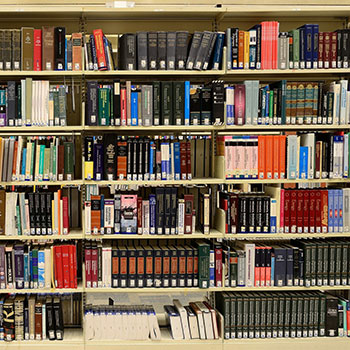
{"x":84,"y":16}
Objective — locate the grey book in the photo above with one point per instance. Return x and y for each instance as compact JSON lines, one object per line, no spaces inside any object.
{"x":170,"y":50}
{"x":196,"y":41}
{"x":203,"y":50}
{"x":10,"y":159}
{"x":210,"y":51}
{"x":16,"y":49}
{"x":2,"y":46}
{"x":7,"y":52}
{"x":142,"y":56}
{"x":229,"y":49}
{"x":11,"y":103}
{"x":62,"y":105}
{"x":181,"y":49}
{"x":283,"y":50}
{"x":70,"y":55}
{"x":5,"y":160}
{"x":147,"y":105}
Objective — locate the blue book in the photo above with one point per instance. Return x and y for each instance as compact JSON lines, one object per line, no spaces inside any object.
{"x":273,"y":217}
{"x":330,"y":211}
{"x":303,"y":162}
{"x":315,"y":30}
{"x":230,"y":116}
{"x":272,"y":271}
{"x":169,"y":167}
{"x":308,"y":43}
{"x":24,"y":160}
{"x":93,"y":52}
{"x":26,"y":270}
{"x":267,"y":119}
{"x":177,"y":161}
{"x":292,"y":152}
{"x":31,"y":284}
{"x":65,"y":55}
{"x":212,"y":268}
{"x":187,"y":103}
{"x":41,"y":268}
{"x":134,"y":108}
{"x":301,"y":267}
{"x":152,"y":214}
{"x":252,"y":48}
{"x":219,"y":46}
{"x":105,"y":47}
{"x":102,"y":213}
{"x":335,"y":211}
{"x":280,"y":266}
{"x":152,"y":158}
{"x":340,"y":211}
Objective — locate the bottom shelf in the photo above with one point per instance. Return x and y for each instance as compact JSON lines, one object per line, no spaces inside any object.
{"x":73,"y":339}
{"x":320,"y":343}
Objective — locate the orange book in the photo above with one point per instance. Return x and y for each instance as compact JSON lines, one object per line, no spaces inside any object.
{"x":269,"y":156}
{"x":241,"y":49}
{"x":276,"y":156}
{"x":282,"y":156}
{"x":77,"y":40}
{"x":246,"y":51}
{"x":95,"y":214}
{"x":121,"y":160}
{"x":14,"y":161}
{"x":261,"y":156}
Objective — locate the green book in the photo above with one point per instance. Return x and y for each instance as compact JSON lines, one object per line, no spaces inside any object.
{"x":54,"y":163}
{"x":34,"y":278}
{"x":56,"y":110}
{"x":167,"y":102}
{"x":309,"y":99}
{"x":34,"y":146}
{"x":233,"y":268}
{"x":270,"y":107}
{"x":156,"y":102}
{"x":18,"y":221}
{"x":203,"y":264}
{"x":104,"y":106}
{"x":41,"y":162}
{"x":47,"y":155}
{"x":62,"y":102}
{"x":69,"y":160}
{"x":296,"y":48}
{"x":222,"y":303}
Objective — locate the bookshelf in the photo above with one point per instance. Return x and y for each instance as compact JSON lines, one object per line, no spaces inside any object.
{"x":88,"y":15}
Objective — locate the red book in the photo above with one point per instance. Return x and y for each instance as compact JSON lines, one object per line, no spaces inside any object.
{"x":88,"y":282}
{"x":188,"y":213}
{"x":265,"y":49}
{"x":275,"y":26}
{"x":71,"y":266}
{"x":123,"y":120}
{"x":324,"y":211}
{"x":183,"y":160}
{"x":100,"y":49}
{"x":333,"y":50}
{"x":166,"y":269}
{"x":218,"y":267}
{"x":262,"y":266}
{"x":257,"y":269}
{"x":139,"y":215}
{"x":65,"y":265}
{"x":59,"y":263}
{"x":188,"y":160}
{"x":312,"y":207}
{"x":320,"y":49}
{"x":268,"y":255}
{"x":287,"y":228}
{"x":282,"y":159}
{"x":318,"y":212}
{"x":281,"y":228}
{"x":293,"y":211}
{"x":306,"y":221}
{"x":182,"y":269}
{"x":65,"y":216}
{"x":326,"y":49}
{"x":189,"y":269}
{"x":37,"y":50}
{"x":269,"y":156}
{"x":300,"y":211}
{"x":94,"y":267}
{"x":261,"y":156}
{"x":276,"y":157}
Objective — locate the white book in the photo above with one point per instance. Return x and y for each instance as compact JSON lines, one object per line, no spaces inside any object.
{"x":10,"y":212}
{"x":23,"y":102}
{"x":249,"y":249}
{"x":60,"y":219}
{"x":200,"y":320}
{"x":47,"y":267}
{"x":37,"y":162}
{"x":347,"y":113}
{"x":29,"y":231}
{"x":192,"y":323}
{"x":43,"y":321}
{"x":28,"y":160}
{"x":184,"y":319}
{"x":172,"y":174}
{"x":22,"y":208}
{"x":213,"y":320}
{"x":145,"y":217}
{"x":346,"y":209}
{"x":181,"y":217}
{"x":346,"y":156}
{"x":33,"y":99}
{"x":175,"y":322}
{"x":153,"y":325}
{"x":15,"y":177}
{"x":208,"y":324}
{"x":335,"y":87}
{"x":308,"y":140}
{"x":342,"y":102}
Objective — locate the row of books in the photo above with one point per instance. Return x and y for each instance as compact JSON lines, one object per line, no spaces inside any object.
{"x":283,"y":102}
{"x":293,"y":156}
{"x":39,"y":158}
{"x":159,"y":103}
{"x":198,"y":320}
{"x":112,"y":157}
{"x":170,"y":50}
{"x":33,"y":103}
{"x":286,"y":211}
{"x":42,"y":317}
{"x":30,"y":49}
{"x":159,"y":211}
{"x":125,"y":322}
{"x":44,"y":212}
{"x":25,"y":266}
{"x":265,"y":47}
{"x":283,"y":315}
{"x":302,"y":263}
{"x":139,"y":264}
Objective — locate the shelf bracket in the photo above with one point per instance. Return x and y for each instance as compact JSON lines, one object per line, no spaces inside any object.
{"x":218,"y":18}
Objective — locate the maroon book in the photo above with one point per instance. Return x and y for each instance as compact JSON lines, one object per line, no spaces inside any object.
{"x":293,"y":211}
{"x":287,"y":228}
{"x":312,"y":207}
{"x":240,"y":104}
{"x":318,"y":205}
{"x":183,"y":160}
{"x":188,"y":160}
{"x":218,"y":267}
{"x":300,"y":211}
{"x":188,"y":213}
{"x":306,"y":198}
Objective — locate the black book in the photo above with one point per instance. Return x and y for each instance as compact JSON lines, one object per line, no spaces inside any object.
{"x":209,"y":54}
{"x":123,"y":263}
{"x":49,"y":212}
{"x":252,"y":214}
{"x":11,"y":103}
{"x":166,"y":266}
{"x":179,"y":102}
{"x":331,"y":316}
{"x":181,"y":50}
{"x":127,"y":52}
{"x":90,"y":63}
{"x":93,"y":52}
{"x":43,"y":213}
{"x":166,"y":103}
{"x":140,"y":276}
{"x":37,"y":213}
{"x":141,"y":160}
{"x":218,"y":98}
{"x":60,"y":47}
{"x":170,"y":50}
{"x":167,"y":210}
{"x":266,"y":214}
{"x":173,"y":204}
{"x":203,"y":50}
{"x":32,"y":219}
{"x":157,"y":266}
{"x":156,"y":102}
{"x":91,"y":118}
{"x":146,"y":153}
{"x":160,"y":194}
{"x":206,"y":105}
{"x":162,"y":47}
{"x":135,"y":158}
{"x":110,"y":156}
{"x":339,"y":48}
{"x":132,"y":267}
{"x":194,"y":48}
{"x":234,"y":44}
{"x":142,"y":55}
{"x":130,"y":156}
{"x":59,"y":327}
{"x":195,"y":105}
{"x":149,"y":272}
{"x":152,"y":50}
{"x":115,"y":266}
{"x":50,"y":319}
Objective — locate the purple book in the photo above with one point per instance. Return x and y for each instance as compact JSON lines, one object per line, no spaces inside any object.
{"x":98,"y":161}
{"x":239,"y":104}
{"x":2,"y":267}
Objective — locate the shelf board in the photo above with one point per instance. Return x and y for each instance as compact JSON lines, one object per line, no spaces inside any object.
{"x":153,"y":73}
{"x":242,"y":72}
{"x":42,"y":183}
{"x":153,"y":290}
{"x":54,"y":129}
{"x":42,"y":73}
{"x":280,"y":289}
{"x":197,"y":235}
{"x":79,"y":289}
{"x":72,"y":337}
{"x":157,"y":128}
{"x":266,"y":128}
{"x":272,"y":236}
{"x":283,"y":181}
{"x":72,"y":235}
{"x":157,"y":183}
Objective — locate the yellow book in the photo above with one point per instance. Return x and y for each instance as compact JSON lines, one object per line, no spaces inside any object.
{"x":246,"y":50}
